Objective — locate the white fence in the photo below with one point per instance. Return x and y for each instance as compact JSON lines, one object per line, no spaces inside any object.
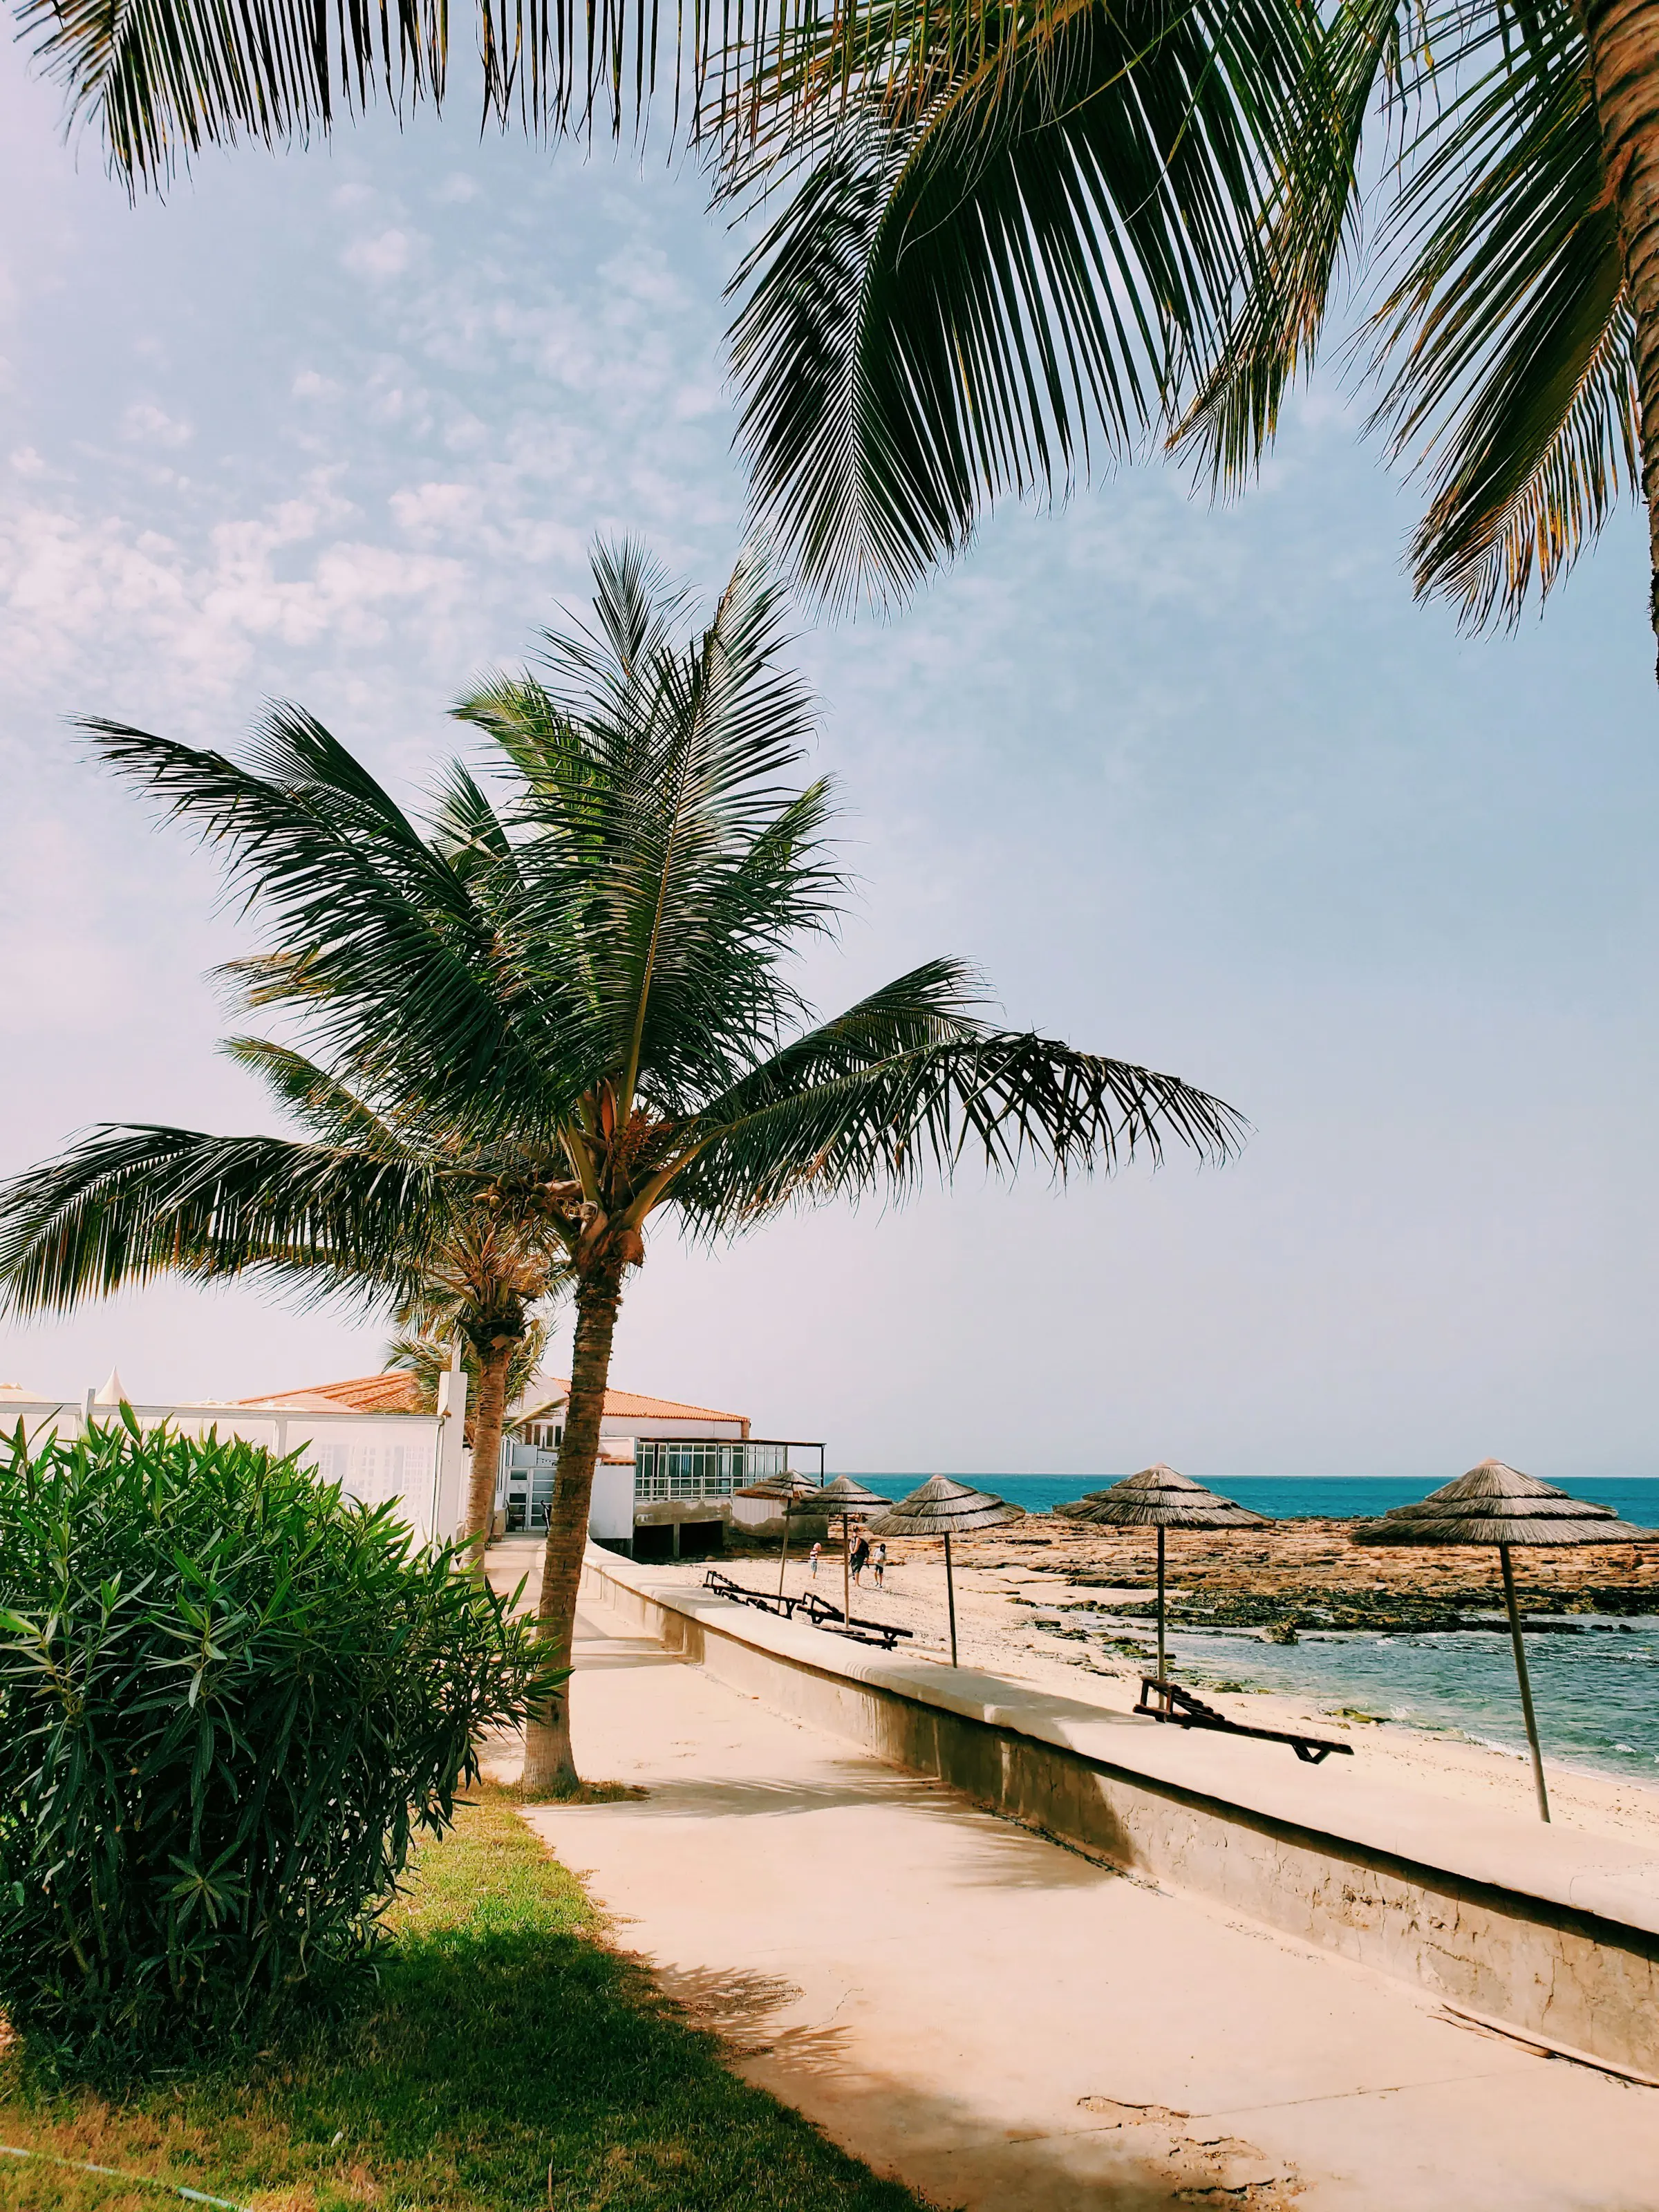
{"x":414,"y":1461}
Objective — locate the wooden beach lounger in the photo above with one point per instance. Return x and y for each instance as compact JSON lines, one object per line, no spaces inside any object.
{"x":817,"y":1610}
{"x":1169,"y":1702}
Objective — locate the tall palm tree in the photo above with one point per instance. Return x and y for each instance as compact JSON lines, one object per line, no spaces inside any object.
{"x":575,"y":993}
{"x":426,"y":1358}
{"x":676,"y":874}
{"x":378,"y":1207}
{"x":959,"y":295}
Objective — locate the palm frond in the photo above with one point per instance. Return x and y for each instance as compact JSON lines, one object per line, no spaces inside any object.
{"x":1507,"y":333}
{"x":130,"y":1204}
{"x":378,"y":941}
{"x":994,"y":276}
{"x":1542,"y":456}
{"x":1311,"y":238}
{"x":905,"y":1083}
{"x":667,"y":861}
{"x":328,"y":1108}
{"x":160,"y":80}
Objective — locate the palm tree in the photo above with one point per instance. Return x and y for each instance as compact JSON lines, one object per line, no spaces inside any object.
{"x":373,"y":1208}
{"x":676,"y":874}
{"x":959,"y":293}
{"x":427,"y":1359}
{"x":573,"y":1003}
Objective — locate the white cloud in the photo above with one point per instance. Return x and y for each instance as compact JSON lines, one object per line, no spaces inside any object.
{"x":309,"y":385}
{"x":89,"y":598}
{"x":431,"y":510}
{"x":146,"y":424}
{"x":387,"y":254}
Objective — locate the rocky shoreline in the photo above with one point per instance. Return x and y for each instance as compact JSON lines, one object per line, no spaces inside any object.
{"x":1309,"y":1573}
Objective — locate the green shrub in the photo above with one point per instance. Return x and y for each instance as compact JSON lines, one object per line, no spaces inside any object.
{"x":229,"y":1697}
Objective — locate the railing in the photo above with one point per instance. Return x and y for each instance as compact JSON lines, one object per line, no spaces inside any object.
{"x":667,"y":1467}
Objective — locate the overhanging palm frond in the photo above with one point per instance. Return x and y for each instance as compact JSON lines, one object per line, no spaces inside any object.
{"x":132,"y":1203}
{"x":161,"y":79}
{"x":1309,"y":233}
{"x":1507,"y":333}
{"x":991,"y":275}
{"x":1541,"y":455}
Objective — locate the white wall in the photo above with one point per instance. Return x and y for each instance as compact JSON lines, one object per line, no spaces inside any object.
{"x":611,"y":1509}
{"x":400,"y":1458}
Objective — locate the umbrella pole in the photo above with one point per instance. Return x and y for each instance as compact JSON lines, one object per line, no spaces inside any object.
{"x":1160,"y":1604}
{"x":951,"y":1596}
{"x":783,"y":1549}
{"x":847,"y":1570}
{"x":1519,"y":1642}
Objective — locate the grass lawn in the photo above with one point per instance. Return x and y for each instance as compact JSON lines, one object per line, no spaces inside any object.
{"x":508,"y":2063}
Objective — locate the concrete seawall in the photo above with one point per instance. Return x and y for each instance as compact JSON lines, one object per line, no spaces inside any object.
{"x":1553,"y":1931}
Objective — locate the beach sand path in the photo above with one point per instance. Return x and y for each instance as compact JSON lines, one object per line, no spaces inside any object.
{"x":1001,"y":2023}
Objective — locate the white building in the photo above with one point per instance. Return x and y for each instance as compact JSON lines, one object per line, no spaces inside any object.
{"x":666,"y":1470}
{"x":380,"y":1453}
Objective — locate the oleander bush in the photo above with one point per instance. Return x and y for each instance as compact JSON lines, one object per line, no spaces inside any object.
{"x":229,"y":1698}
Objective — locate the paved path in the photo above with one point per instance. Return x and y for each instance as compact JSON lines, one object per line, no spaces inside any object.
{"x":1002,"y":2024}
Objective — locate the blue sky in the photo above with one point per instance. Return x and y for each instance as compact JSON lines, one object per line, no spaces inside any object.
{"x":1199,"y":787}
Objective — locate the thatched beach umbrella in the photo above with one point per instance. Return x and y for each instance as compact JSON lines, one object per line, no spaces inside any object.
{"x":783,"y":1491}
{"x":947,"y":1509}
{"x":853,"y":1501}
{"x":1494,"y":1505}
{"x":1077,"y":1509}
{"x":1158,"y":1497}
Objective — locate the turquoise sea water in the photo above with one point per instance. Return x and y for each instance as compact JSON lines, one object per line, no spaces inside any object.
{"x":1597,"y":1692}
{"x":1287,"y":1497}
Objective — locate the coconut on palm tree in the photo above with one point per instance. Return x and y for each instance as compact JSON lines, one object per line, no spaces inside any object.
{"x":571,"y":995}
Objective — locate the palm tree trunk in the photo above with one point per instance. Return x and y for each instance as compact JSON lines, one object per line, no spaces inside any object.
{"x":547,"y":1756}
{"x":488,"y":1416}
{"x":1624,"y":53}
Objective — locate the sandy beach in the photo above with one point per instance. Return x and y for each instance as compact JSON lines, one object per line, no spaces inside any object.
{"x":1013,"y":1589}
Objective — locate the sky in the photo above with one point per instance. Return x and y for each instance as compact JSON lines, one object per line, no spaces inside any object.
{"x":1200,"y":787}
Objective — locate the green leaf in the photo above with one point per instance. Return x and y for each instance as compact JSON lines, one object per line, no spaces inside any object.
{"x":995,"y":266}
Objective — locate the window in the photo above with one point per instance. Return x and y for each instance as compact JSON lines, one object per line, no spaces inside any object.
{"x":665,"y":1468}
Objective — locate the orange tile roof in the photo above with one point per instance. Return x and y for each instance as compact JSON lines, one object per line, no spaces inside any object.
{"x":394,"y":1392}
{"x":629,"y":1406}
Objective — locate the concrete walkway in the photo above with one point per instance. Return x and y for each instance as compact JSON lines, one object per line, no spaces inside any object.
{"x":1001,"y":2023}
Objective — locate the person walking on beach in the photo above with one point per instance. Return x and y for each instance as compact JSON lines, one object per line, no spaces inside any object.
{"x":880,"y":1563}
{"x":860,"y":1557}
{"x":812,"y":1559}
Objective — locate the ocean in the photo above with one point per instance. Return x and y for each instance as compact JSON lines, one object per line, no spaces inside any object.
{"x":1597,"y":1693}
{"x":1286,"y":1497}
